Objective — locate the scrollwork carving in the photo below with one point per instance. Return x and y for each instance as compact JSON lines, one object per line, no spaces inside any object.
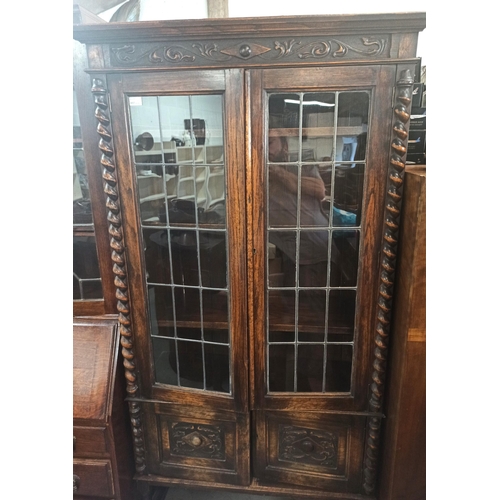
{"x":267,"y":50}
{"x":388,"y":265}
{"x":115,"y":231}
{"x":197,"y":440}
{"x":308,"y":446}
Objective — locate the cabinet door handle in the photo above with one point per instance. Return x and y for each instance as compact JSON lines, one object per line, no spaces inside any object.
{"x":76,"y":482}
{"x":74,"y":443}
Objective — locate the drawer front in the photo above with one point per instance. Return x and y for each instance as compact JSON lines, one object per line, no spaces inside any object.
{"x":89,"y":441}
{"x":93,"y":478}
{"x":198,"y":442}
{"x":308,"y":449}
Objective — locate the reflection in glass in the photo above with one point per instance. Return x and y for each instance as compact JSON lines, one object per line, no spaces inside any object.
{"x":181,"y":189}
{"x":87,"y":283}
{"x":316,"y":148}
{"x":86,"y":278}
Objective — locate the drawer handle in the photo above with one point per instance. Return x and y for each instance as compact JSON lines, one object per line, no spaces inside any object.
{"x":74,"y":443}
{"x":76,"y":482}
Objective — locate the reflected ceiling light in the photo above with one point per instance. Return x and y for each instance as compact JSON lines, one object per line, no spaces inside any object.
{"x":314,"y":103}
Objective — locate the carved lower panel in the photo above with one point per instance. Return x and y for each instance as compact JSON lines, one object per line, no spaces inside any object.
{"x":118,"y":256}
{"x":194,"y":440}
{"x":399,"y":142}
{"x":308,"y":446}
{"x":310,"y":449}
{"x":228,"y":52}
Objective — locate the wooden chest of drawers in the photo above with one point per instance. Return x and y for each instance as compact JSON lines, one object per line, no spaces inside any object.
{"x":102,"y":450}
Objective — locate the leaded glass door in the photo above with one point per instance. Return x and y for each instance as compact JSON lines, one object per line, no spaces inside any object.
{"x":185,"y":231}
{"x":323,"y":175}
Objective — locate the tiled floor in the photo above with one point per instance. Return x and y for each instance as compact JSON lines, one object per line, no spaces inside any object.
{"x":185,"y":494}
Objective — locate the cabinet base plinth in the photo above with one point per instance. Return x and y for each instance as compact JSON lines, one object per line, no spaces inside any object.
{"x":255,"y":488}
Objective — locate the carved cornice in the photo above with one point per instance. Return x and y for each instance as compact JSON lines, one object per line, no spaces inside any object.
{"x":399,"y":145}
{"x":118,"y":256}
{"x":266,"y":50}
{"x":250,"y":28}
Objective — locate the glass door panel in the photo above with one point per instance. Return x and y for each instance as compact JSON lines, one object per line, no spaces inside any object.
{"x":180,"y":177}
{"x":87,"y":283}
{"x":315,"y":164}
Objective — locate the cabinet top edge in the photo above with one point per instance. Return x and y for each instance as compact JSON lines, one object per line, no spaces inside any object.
{"x":403,"y":22}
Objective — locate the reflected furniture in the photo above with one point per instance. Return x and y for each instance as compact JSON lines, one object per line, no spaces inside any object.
{"x":102,"y":443}
{"x":254,"y":263}
{"x":93,"y":288}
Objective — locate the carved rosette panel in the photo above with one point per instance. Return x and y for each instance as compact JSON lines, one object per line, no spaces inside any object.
{"x":118,"y":256}
{"x":197,"y":440}
{"x":399,"y":143}
{"x":225,"y":52}
{"x":308,"y":446}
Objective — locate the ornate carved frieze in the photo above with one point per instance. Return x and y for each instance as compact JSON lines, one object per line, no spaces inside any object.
{"x":197,"y":440}
{"x":399,"y":143}
{"x":118,"y":256}
{"x":308,"y":446}
{"x":225,"y":52}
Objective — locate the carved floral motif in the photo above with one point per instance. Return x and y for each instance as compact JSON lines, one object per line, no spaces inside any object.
{"x":267,"y":50}
{"x":309,"y":446}
{"x":196,"y":440}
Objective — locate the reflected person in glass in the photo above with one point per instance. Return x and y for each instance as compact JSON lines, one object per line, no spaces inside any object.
{"x":283,"y":202}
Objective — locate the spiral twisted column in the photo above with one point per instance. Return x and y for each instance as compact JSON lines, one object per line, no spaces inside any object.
{"x":399,"y":142}
{"x":119,"y":262}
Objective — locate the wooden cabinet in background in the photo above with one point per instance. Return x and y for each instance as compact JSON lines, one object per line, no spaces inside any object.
{"x":254,"y":271}
{"x":102,"y":442}
{"x":403,"y":471}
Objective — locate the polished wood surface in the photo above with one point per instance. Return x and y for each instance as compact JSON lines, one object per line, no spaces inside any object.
{"x":102,"y":449}
{"x":404,"y":452}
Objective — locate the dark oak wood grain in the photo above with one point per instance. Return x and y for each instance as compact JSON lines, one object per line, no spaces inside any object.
{"x":102,"y":441}
{"x":404,"y":452}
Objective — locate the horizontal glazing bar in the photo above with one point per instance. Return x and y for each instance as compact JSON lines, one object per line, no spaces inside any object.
{"x":187,"y":228}
{"x":318,"y":162}
{"x":83,"y":224}
{"x":335,"y":229}
{"x":312,"y":343}
{"x":285,"y":289}
{"x":145,"y":166}
{"x":182,"y":339}
{"x":192,"y":287}
{"x":86,"y":279}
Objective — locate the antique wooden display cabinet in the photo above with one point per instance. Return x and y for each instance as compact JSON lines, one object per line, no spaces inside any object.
{"x":253,"y":173}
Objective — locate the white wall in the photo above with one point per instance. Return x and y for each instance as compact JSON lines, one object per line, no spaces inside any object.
{"x":197,"y":9}
{"x":254,"y":8}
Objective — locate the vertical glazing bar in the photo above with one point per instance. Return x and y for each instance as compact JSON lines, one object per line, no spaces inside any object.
{"x":297,"y":245}
{"x":80,"y":285}
{"x":197,"y":230}
{"x":226,"y":237}
{"x":164,"y":183}
{"x":330,"y":237}
{"x":266,"y":127}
